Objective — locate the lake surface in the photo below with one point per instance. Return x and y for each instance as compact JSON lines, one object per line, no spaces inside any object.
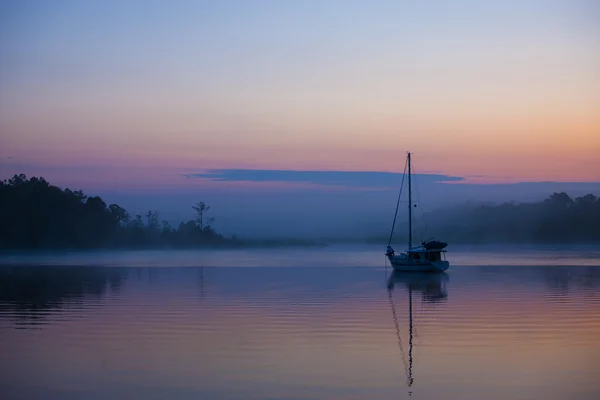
{"x":333,"y":323}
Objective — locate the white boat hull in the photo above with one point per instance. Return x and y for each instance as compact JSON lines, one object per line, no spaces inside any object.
{"x":401,"y":264}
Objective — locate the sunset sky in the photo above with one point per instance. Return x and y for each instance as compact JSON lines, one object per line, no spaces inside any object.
{"x":114,"y":94}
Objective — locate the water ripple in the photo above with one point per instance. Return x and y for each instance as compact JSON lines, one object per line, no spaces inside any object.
{"x":288,"y":333}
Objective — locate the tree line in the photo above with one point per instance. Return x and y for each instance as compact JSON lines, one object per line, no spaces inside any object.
{"x":556,"y":219}
{"x":37,"y":215}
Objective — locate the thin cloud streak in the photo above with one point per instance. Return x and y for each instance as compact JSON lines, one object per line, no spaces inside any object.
{"x":356,"y":179}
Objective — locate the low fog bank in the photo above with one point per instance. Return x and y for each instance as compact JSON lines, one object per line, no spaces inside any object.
{"x":37,"y":215}
{"x":557,"y":219}
{"x":333,"y":255}
{"x":341,"y":214}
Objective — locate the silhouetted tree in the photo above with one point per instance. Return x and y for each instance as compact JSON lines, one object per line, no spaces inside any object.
{"x":120,"y":215}
{"x":35,"y":214}
{"x":201,"y":209}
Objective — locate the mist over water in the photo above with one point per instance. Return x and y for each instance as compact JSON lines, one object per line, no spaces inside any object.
{"x":342,"y":255}
{"x":334,"y":323}
{"x":325,"y":212}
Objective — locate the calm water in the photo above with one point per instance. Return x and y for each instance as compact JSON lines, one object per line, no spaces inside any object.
{"x":300,"y":324}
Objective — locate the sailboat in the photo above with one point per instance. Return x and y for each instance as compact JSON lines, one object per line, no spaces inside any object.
{"x":429,"y":256}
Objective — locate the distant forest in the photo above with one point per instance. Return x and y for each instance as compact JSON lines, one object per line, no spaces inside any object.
{"x":557,"y":219}
{"x":37,"y":215}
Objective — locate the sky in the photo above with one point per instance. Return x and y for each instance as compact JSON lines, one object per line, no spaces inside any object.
{"x":130,"y":98}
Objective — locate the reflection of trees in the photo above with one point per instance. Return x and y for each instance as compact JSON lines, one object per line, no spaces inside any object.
{"x":558,"y":279}
{"x":563,"y":279}
{"x":32,"y":291}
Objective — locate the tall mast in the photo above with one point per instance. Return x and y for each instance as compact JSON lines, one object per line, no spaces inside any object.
{"x":409,"y":206}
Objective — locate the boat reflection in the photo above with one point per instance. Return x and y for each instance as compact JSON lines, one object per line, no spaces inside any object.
{"x":433,"y":290}
{"x":432,"y":285}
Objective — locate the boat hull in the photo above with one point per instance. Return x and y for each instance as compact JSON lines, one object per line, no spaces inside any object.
{"x":432,"y":266}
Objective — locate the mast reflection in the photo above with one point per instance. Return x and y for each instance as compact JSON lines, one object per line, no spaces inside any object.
{"x":432,"y":287}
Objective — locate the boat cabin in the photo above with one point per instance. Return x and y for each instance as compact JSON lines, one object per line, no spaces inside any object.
{"x":427,"y":255}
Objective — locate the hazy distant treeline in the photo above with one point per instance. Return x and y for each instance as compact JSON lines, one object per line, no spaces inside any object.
{"x":557,"y":219}
{"x":35,"y":214}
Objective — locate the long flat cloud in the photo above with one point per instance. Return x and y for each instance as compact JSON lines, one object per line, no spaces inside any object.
{"x":360,"y":179}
